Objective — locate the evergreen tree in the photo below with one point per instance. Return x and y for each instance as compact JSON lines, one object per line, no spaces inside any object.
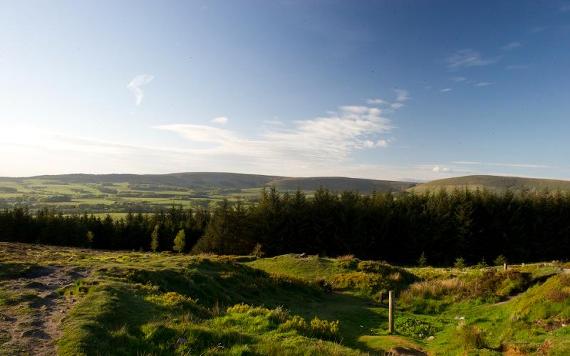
{"x":422,"y":261}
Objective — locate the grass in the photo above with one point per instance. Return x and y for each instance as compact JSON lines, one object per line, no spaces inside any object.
{"x":134,"y":303}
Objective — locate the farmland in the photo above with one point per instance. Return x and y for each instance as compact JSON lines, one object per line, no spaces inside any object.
{"x":119,"y":194}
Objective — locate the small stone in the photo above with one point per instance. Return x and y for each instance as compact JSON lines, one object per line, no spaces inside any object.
{"x":431,"y":338}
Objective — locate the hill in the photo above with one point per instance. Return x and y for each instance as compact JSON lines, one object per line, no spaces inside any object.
{"x":119,"y":193}
{"x":65,"y":301}
{"x":216,"y":180}
{"x":494,"y":183}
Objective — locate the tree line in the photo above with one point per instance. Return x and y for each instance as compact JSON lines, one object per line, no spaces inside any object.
{"x":436,"y":228}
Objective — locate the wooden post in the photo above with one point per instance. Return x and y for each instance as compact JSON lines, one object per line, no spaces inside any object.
{"x":390,"y":312}
{"x":504,"y":267}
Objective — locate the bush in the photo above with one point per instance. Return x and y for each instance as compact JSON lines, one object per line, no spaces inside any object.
{"x":295,"y":323}
{"x":414,"y":327}
{"x":325,"y":329}
{"x":470,"y":336}
{"x":500,"y":260}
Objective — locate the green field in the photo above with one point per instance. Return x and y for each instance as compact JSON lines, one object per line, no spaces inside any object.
{"x":122,"y":193}
{"x":86,"y":302}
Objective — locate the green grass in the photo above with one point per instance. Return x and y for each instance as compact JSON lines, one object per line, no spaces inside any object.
{"x":134,"y":303}
{"x":494,"y":183}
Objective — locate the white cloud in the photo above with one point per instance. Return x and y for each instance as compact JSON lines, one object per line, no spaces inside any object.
{"x":136,"y":84}
{"x":466,"y":58}
{"x":331,"y":138}
{"x":511,"y":45}
{"x":376,"y":101}
{"x":458,"y":79}
{"x":440,"y":169}
{"x":222,"y":120}
{"x":483,"y":84}
{"x":401,"y":97}
{"x":508,"y":165}
{"x":445,"y":90}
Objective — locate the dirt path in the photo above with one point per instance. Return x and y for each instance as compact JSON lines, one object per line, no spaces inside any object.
{"x":30,"y":324}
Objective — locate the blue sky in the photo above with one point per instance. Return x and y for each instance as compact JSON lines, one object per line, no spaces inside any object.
{"x":380,"y":89}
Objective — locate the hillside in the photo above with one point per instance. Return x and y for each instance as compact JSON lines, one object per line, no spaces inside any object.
{"x":494,"y":183}
{"x":148,"y":192}
{"x":340,"y":184}
{"x":65,"y":301}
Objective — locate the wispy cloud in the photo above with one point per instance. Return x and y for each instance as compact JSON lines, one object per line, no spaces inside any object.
{"x":440,"y":169}
{"x":483,"y":84}
{"x":445,"y":90}
{"x":510,"y":165}
{"x":323,"y":139}
{"x":511,"y":45}
{"x":222,"y":120}
{"x":466,"y":58}
{"x":402,"y":96}
{"x":136,"y":84}
{"x":458,"y":79}
{"x":376,"y":101}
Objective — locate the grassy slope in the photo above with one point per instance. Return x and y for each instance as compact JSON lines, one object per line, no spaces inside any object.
{"x":141,"y":303}
{"x":494,"y":183}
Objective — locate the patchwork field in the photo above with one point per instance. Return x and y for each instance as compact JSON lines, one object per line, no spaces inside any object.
{"x":123,"y":193}
{"x":86,"y":302}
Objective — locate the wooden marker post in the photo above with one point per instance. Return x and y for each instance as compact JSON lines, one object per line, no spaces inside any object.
{"x":390,"y":312}
{"x":504,"y":267}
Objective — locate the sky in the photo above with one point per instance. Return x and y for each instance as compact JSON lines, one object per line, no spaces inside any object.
{"x":406,"y":90}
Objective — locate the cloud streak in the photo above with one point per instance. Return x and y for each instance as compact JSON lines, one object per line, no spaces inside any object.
{"x":466,"y":58}
{"x":222,"y":120}
{"x":330,"y":138}
{"x":136,"y":85}
{"x":511,"y":45}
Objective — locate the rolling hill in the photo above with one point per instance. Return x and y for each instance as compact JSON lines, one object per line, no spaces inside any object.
{"x":121,"y":193}
{"x":494,"y":184}
{"x":215,"y":180}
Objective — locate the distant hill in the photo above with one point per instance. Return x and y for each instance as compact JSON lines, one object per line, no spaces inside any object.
{"x":341,"y":184}
{"x":214,"y":180}
{"x":494,"y":183}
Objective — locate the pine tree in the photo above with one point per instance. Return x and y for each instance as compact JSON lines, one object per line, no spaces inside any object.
{"x":154,"y":239}
{"x":422,"y":261}
{"x":180,"y":241}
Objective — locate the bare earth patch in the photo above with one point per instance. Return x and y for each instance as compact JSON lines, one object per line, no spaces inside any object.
{"x":30,"y":321}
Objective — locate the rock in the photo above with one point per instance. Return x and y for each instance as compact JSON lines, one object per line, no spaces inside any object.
{"x":431,"y":338}
{"x":36,"y":333}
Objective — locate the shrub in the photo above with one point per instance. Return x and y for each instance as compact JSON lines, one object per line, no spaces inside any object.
{"x":470,"y":336}
{"x":459,"y":263}
{"x":500,"y":260}
{"x":180,"y":241}
{"x":414,"y":327}
{"x":258,"y":251}
{"x":422,"y":261}
{"x":325,"y":329}
{"x":295,"y":323}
